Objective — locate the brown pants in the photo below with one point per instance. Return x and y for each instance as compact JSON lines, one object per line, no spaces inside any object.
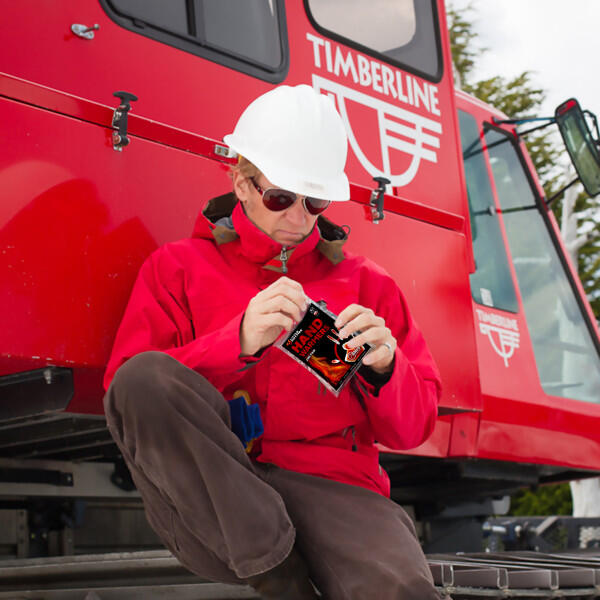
{"x":226,"y":517}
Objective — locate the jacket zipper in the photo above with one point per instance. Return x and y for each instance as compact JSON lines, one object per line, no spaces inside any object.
{"x":283,"y":257}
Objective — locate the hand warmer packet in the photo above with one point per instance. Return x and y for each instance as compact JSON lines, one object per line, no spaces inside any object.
{"x":315,"y":344}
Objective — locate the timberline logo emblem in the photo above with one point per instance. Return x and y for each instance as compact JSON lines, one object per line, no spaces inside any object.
{"x":393,"y":124}
{"x":502,"y":332}
{"x":420,"y":136}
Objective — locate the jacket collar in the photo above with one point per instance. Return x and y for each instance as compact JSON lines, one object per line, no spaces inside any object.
{"x":259,"y":247}
{"x":224,"y":220}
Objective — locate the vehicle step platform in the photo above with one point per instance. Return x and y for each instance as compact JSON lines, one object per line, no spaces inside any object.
{"x":156,"y":574}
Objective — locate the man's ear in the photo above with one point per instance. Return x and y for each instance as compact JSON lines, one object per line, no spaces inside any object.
{"x":241,"y":186}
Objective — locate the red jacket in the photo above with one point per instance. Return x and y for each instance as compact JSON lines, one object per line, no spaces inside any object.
{"x":189,"y":299}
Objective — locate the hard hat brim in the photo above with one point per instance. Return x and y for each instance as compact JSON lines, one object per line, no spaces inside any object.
{"x":335,"y":189}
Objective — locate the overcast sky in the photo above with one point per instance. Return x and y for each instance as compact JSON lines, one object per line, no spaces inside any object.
{"x":557,"y":39}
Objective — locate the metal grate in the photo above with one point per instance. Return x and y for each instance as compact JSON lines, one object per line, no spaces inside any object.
{"x":57,"y":436}
{"x":518,"y":575}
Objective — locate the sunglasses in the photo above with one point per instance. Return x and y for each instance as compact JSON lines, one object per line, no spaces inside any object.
{"x":277,"y":199}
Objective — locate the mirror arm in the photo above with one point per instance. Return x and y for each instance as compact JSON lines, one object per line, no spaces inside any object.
{"x":561,"y":191}
{"x":521,"y":133}
{"x":550,"y":121}
{"x":521,"y":121}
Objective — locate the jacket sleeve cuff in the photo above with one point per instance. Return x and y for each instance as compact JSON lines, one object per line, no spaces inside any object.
{"x":373,"y":381}
{"x":250,"y":361}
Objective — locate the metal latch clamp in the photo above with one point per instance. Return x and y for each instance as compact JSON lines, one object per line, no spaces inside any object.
{"x":376,"y":200}
{"x":119,"y":121}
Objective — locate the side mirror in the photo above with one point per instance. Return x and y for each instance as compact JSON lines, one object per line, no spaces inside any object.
{"x":581,"y":145}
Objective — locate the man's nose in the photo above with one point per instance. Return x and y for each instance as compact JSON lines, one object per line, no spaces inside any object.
{"x":296,"y":213}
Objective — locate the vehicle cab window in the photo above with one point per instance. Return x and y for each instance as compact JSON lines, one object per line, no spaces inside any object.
{"x":404,"y":32}
{"x":567,"y":360}
{"x":249,"y":36}
{"x":491,"y":284}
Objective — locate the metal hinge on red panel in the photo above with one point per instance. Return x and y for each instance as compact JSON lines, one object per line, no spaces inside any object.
{"x":83,"y":31}
{"x":225,"y":151}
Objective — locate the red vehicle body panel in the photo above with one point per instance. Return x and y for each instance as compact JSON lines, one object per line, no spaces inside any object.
{"x":77,"y":219}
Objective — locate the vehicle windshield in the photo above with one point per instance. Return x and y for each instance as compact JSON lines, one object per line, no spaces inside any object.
{"x":566,"y":357}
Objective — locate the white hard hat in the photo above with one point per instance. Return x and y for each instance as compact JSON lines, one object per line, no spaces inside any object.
{"x":295,"y":136}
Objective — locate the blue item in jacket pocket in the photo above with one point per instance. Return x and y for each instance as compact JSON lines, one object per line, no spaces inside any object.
{"x":245,"y":420}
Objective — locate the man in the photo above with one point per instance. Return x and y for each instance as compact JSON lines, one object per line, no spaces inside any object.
{"x":307,"y":499}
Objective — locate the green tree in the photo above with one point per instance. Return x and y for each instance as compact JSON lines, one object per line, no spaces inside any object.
{"x":588,"y":257}
{"x":463,"y":42}
{"x":520,"y":97}
{"x":589,"y":272}
{"x":552,"y":499}
{"x":517,"y":97}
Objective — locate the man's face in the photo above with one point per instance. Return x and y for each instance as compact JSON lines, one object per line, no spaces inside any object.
{"x":287,"y":227}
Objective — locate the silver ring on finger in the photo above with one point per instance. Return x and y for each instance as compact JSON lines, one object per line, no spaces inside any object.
{"x":388,"y":346}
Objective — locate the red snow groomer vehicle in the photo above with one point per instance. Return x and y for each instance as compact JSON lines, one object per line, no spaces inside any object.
{"x":112,"y":112}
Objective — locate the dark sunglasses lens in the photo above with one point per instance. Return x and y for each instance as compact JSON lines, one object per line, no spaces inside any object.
{"x":278,"y":200}
{"x":315,"y":206}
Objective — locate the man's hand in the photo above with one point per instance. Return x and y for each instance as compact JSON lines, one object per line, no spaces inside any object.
{"x":270,"y":312}
{"x":373,"y":331}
